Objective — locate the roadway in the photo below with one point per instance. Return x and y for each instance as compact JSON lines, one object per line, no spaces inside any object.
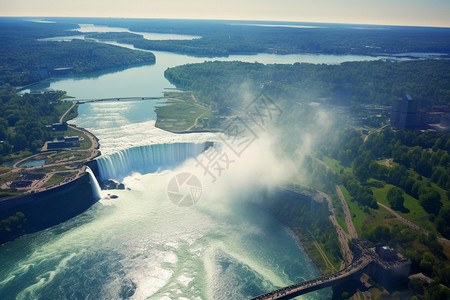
{"x":318,"y":283}
{"x":348,"y":217}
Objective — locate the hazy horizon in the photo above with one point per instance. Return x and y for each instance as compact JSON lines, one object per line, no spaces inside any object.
{"x":432,"y":13}
{"x":281,"y":22}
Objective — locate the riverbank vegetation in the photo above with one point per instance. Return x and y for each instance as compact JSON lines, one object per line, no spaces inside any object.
{"x":309,"y":221}
{"x":222,"y":84}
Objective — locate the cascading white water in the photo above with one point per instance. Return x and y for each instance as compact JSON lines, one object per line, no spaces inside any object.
{"x":147,"y":159}
{"x":94,"y":184}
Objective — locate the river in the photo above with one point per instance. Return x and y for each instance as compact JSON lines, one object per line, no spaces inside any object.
{"x":141,"y":245}
{"x":148,"y":80}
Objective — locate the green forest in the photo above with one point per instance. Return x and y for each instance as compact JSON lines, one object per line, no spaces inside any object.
{"x":221,"y":84}
{"x":219,"y":38}
{"x":23,"y":119}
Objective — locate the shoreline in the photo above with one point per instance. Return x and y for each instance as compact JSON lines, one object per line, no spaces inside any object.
{"x":299,"y":239}
{"x":324,"y":263}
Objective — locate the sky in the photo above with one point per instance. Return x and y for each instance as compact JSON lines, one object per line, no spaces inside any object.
{"x":386,"y":12}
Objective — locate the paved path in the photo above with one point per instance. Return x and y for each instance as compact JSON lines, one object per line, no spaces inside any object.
{"x":375,"y":131}
{"x":196,"y":121}
{"x":67,"y":111}
{"x":348,"y":217}
{"x":411,"y":224}
{"x":343,"y":237}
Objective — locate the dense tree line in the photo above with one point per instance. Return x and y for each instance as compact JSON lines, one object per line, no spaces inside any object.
{"x":23,"y":119}
{"x":24,"y":59}
{"x":220,"y":38}
{"x":419,"y":159}
{"x":222,"y":84}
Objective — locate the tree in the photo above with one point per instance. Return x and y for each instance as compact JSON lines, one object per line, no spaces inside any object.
{"x":431,"y":202}
{"x":443,"y":222}
{"x":395,"y":198}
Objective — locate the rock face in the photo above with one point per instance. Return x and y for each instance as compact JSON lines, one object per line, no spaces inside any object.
{"x":112,"y":184}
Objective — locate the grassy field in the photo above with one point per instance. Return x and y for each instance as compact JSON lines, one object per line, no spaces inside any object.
{"x":416,"y":213}
{"x":179,"y":115}
{"x":57,"y":178}
{"x":333,"y":164}
{"x":4,"y":169}
{"x":53,"y":169}
{"x":9,"y":193}
{"x":442,"y":192}
{"x":16,"y":156}
{"x":9,"y":177}
{"x":308,"y":242}
{"x":68,"y":155}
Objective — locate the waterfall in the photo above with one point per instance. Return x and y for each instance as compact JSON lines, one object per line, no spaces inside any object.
{"x":94,"y":184}
{"x":147,"y":159}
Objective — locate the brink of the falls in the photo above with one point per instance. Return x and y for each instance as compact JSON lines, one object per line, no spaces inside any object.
{"x":147,"y":159}
{"x":94,"y":184}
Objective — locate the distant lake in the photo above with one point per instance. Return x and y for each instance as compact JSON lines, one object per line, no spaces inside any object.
{"x":91,"y":28}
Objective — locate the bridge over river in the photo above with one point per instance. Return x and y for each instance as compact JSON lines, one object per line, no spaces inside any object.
{"x":81,"y":101}
{"x":365,"y":260}
{"x":353,"y":271}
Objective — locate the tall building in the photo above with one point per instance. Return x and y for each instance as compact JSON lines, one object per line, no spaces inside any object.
{"x":405,"y":113}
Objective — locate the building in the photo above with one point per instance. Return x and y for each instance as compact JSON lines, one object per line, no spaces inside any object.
{"x":64,"y":142}
{"x":386,"y":252}
{"x":405,"y":113}
{"x":57,"y":126}
{"x":56,"y":144}
{"x":71,"y":139}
